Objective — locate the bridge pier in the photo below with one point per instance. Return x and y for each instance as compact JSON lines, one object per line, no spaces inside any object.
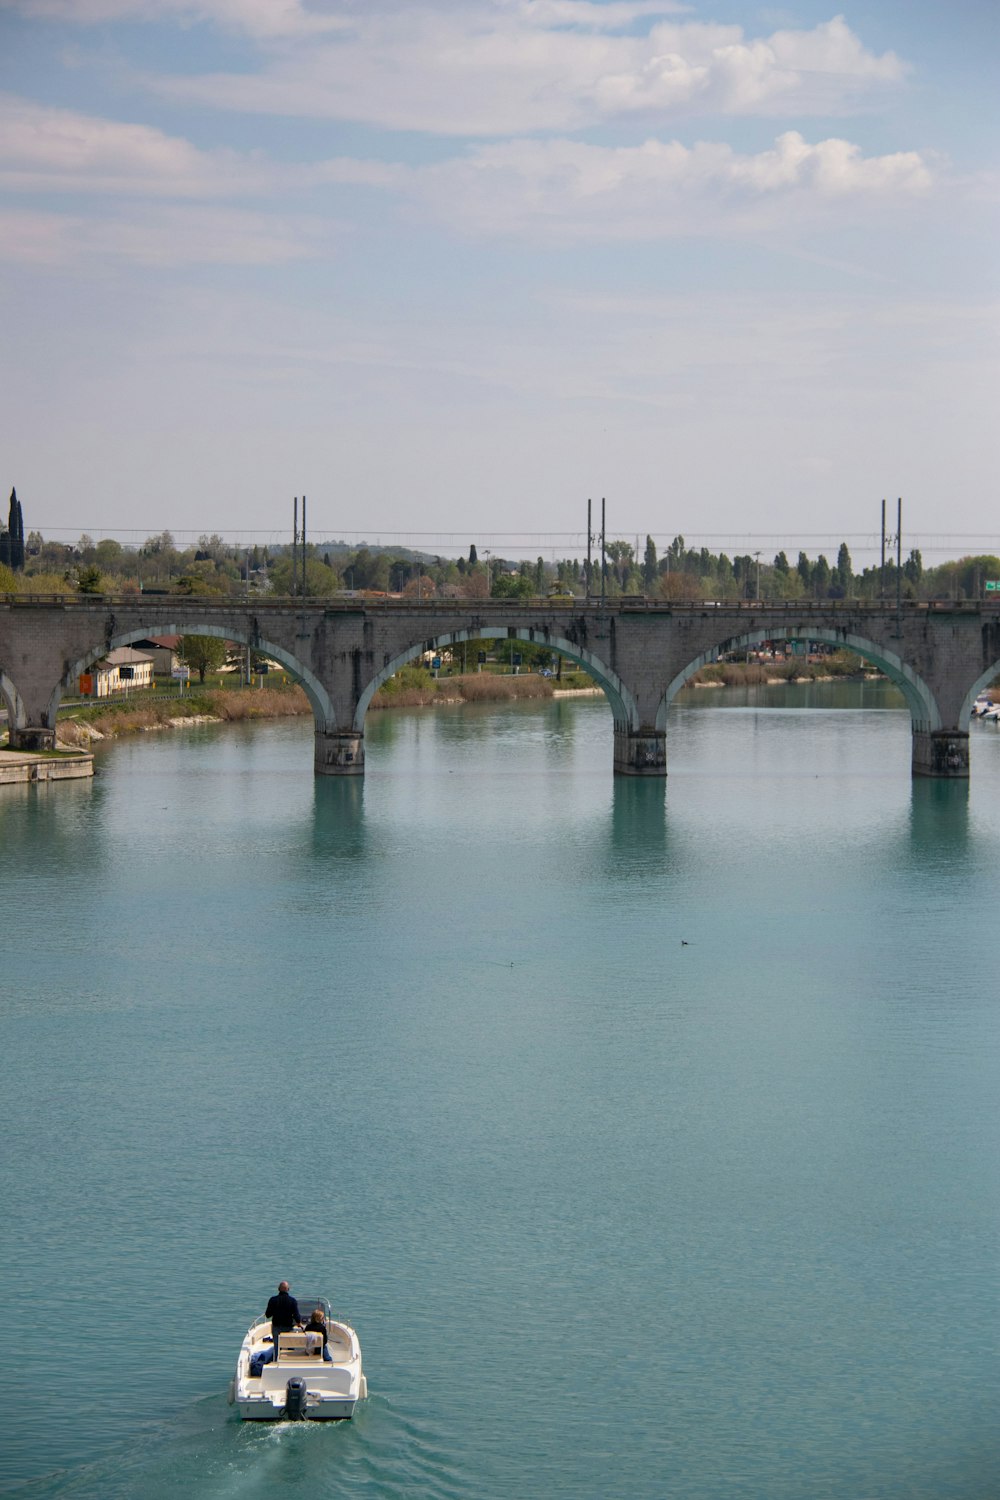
{"x":32,"y":737}
{"x":339,"y":753}
{"x":640,"y":752}
{"x":942,"y":752}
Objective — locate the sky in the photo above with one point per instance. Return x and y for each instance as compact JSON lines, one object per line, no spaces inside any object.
{"x":452,"y":267}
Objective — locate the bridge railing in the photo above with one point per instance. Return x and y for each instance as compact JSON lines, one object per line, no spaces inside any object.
{"x":626,"y":604}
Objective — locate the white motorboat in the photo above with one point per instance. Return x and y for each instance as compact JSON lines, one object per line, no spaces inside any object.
{"x":295,"y":1383}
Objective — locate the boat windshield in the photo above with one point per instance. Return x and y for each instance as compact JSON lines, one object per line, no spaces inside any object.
{"x":308,"y":1304}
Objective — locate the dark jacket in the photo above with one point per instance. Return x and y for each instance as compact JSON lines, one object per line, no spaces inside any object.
{"x":283,"y":1310}
{"x":311,"y":1327}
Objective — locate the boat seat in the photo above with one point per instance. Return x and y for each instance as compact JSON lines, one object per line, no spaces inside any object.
{"x":292,"y":1346}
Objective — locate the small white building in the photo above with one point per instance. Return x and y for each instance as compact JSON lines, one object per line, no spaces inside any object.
{"x":120,"y":671}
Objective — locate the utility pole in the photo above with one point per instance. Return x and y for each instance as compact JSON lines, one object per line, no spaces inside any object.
{"x":248,"y":600}
{"x":303,"y":547}
{"x":899,"y":567}
{"x":757,"y":556}
{"x":604,"y":545}
{"x":590,"y":538}
{"x":881,"y":571}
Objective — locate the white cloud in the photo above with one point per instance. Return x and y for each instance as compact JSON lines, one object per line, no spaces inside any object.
{"x":555,"y":190}
{"x":565,"y":190}
{"x":58,"y":150}
{"x":160,"y":236}
{"x":263,"y":19}
{"x":496,"y":68}
{"x":49,"y":148}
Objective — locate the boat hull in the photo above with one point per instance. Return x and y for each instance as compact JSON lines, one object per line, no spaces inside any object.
{"x":322,"y":1411}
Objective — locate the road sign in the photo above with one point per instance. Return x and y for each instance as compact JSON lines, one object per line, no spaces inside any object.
{"x":992,"y":585}
{"x":182,"y":673}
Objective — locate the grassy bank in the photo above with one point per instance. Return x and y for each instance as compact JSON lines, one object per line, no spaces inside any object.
{"x":225,"y":705}
{"x":410,"y":688}
{"x":798,"y":669}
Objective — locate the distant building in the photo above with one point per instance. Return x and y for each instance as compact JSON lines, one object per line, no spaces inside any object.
{"x":163,"y":650}
{"x":120,"y":671}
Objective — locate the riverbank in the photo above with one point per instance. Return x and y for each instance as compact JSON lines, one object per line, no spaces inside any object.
{"x":410,"y":688}
{"x":83,"y":726}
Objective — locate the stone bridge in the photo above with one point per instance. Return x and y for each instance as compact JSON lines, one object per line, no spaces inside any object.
{"x":640,"y":651}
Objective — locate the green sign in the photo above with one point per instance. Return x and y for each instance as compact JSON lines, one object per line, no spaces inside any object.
{"x":992,"y":584}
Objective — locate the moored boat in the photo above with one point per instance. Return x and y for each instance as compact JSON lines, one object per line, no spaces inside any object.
{"x":294,"y":1382}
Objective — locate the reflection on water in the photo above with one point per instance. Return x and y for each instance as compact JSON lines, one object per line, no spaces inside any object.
{"x":338,"y":817}
{"x":939,"y":819}
{"x":502,"y":1052}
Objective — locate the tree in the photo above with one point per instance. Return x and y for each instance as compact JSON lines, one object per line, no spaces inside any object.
{"x":321,"y":581}
{"x":90,"y":580}
{"x":420,"y":587}
{"x":649,"y":566}
{"x":682,"y":587}
{"x":621,"y":555}
{"x":473,"y":556}
{"x":12,"y":540}
{"x":153,"y":546}
{"x":108,"y":553}
{"x":202,"y":653}
{"x":511,"y":586}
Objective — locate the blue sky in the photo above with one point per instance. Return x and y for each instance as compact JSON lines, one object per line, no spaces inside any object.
{"x":452,"y":266}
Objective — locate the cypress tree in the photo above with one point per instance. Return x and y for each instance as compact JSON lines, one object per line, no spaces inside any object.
{"x":15,"y":528}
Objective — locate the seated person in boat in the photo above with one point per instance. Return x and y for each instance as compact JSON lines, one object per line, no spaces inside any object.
{"x":316,"y":1328}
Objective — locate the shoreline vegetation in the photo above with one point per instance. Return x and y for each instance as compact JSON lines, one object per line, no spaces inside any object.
{"x":411,"y":687}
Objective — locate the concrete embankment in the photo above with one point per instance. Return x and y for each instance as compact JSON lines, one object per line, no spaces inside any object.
{"x":23,"y":767}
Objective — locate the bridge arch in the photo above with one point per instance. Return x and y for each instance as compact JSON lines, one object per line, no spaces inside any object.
{"x":319,"y":698}
{"x":982,"y":682}
{"x":623,"y":704}
{"x":924,"y":711}
{"x":11,"y":699}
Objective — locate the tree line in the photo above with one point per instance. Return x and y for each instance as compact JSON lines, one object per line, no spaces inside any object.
{"x":214,"y":567}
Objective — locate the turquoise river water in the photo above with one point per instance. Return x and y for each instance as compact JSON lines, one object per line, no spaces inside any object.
{"x":648,"y":1134}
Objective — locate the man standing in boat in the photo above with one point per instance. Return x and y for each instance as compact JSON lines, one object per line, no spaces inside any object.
{"x":283,"y":1310}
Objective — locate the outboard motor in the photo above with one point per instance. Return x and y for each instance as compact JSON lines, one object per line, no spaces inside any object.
{"x":295,"y":1399}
